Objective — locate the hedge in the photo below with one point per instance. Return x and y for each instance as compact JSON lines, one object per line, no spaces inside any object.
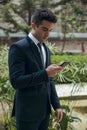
{"x":76,"y":71}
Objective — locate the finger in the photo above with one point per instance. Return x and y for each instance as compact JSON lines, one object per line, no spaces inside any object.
{"x":59,"y":117}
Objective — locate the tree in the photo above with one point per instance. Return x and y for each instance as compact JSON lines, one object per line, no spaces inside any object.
{"x":17,"y":16}
{"x":73,"y":19}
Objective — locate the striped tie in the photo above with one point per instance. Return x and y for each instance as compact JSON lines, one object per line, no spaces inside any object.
{"x":41,"y":53}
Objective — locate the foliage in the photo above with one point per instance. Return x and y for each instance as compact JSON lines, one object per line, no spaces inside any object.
{"x":72,"y":19}
{"x":5,"y":87}
{"x":65,"y":124}
{"x":75,"y":72}
{"x":6,"y":91}
{"x":18,"y":15}
{"x":13,"y":14}
{"x":52,"y":48}
{"x":73,"y":23}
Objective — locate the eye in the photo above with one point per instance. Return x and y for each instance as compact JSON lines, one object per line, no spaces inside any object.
{"x":45,"y":29}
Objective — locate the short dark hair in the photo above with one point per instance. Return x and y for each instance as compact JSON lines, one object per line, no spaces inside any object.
{"x":43,"y":14}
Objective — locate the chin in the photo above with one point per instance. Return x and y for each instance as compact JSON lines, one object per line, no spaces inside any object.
{"x":44,"y":40}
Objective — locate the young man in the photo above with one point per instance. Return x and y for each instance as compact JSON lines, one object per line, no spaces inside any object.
{"x":31,"y":75}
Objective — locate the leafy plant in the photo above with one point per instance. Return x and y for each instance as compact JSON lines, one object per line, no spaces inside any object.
{"x":6,"y":91}
{"x":52,"y":48}
{"x":66,"y":123}
{"x":75,"y":72}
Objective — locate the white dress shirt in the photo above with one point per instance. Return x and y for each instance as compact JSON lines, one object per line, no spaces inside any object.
{"x":30,"y":35}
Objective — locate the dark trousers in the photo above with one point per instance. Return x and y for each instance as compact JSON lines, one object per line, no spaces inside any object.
{"x":36,"y":125}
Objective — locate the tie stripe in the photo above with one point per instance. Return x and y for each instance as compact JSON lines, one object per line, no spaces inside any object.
{"x":41,"y":53}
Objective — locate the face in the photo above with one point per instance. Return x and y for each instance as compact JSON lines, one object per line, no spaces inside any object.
{"x":42,"y":31}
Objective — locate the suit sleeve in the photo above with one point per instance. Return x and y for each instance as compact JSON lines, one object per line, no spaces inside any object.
{"x":18,"y":78}
{"x":54,"y":97}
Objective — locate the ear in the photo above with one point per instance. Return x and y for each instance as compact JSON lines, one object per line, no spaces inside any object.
{"x":33,"y":26}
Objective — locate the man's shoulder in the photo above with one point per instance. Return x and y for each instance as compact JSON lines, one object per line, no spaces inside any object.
{"x":22,"y":44}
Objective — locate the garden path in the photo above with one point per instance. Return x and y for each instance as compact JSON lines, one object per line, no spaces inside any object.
{"x":78,"y":102}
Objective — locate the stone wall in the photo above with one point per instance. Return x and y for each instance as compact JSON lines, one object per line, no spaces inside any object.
{"x":73,"y":46}
{"x":78,"y":45}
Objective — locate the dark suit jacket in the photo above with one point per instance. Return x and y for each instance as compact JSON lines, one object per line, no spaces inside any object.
{"x":35,"y":92}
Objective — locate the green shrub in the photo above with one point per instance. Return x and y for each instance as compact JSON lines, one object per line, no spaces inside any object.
{"x":66,"y":123}
{"x":6,"y":91}
{"x":75,"y":72}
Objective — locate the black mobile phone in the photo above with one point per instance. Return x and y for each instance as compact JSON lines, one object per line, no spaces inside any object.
{"x":65,"y":63}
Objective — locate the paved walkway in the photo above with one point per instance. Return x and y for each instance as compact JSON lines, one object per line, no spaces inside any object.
{"x":1,"y":126}
{"x":65,"y":91}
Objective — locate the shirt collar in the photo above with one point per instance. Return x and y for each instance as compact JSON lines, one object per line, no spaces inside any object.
{"x":31,"y":36}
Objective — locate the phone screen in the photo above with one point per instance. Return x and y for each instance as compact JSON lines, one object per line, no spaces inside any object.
{"x":65,"y":63}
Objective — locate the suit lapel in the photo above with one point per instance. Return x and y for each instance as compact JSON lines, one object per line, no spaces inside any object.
{"x":35,"y":52}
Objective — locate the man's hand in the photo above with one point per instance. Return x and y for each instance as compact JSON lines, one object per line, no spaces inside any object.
{"x":59,"y":115}
{"x":53,"y":70}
